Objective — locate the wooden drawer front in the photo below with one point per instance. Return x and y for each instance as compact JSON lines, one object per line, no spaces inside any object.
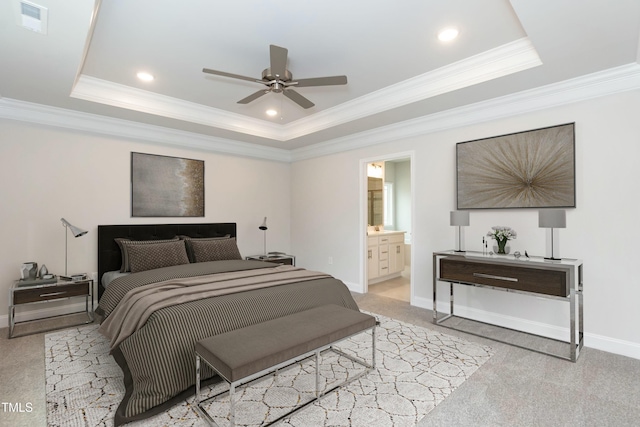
{"x":548,"y":282}
{"x":283,"y":260}
{"x":50,"y":292}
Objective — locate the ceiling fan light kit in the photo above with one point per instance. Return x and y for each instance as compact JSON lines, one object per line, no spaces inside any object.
{"x":278,"y":79}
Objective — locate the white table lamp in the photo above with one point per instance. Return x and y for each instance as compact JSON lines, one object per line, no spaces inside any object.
{"x":552,"y":218}
{"x":76,"y":232}
{"x":459,"y":219}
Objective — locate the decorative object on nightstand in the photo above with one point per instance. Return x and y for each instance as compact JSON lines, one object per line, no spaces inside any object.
{"x":502,"y":235}
{"x":29,"y":270}
{"x":77,"y":232}
{"x":263,"y":227}
{"x":459,"y":219}
{"x":552,"y":218}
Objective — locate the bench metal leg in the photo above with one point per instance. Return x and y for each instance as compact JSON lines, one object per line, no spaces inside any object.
{"x":373,"y":348}
{"x":197,"y":378}
{"x":232,"y":415}
{"x":317,"y":374}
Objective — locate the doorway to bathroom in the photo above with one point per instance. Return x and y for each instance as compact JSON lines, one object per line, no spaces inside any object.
{"x":386,"y":225}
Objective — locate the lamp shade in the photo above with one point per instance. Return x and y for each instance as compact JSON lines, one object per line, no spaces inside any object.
{"x":552,"y":218}
{"x":264,"y":224}
{"x":77,"y":232}
{"x":459,"y":218}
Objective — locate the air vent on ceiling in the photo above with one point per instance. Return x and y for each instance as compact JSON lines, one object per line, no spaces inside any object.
{"x":32,"y":16}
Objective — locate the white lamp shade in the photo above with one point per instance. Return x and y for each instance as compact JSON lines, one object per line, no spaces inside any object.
{"x":552,"y":218}
{"x":75,"y":231}
{"x":264,"y":224}
{"x":459,"y":218}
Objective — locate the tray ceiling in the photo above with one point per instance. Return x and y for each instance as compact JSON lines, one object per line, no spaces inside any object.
{"x":397,"y":69}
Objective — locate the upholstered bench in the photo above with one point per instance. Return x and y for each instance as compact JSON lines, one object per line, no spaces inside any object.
{"x":246,"y":354}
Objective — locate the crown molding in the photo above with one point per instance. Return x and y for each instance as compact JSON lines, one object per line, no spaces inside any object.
{"x":503,"y":60}
{"x":13,"y":109}
{"x":498,"y":62}
{"x":105,"y":92}
{"x":611,"y":81}
{"x":614,"y":80}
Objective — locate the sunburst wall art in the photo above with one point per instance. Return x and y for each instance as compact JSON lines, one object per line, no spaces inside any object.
{"x":532,"y":169}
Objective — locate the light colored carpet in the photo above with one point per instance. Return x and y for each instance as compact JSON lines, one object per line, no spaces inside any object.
{"x":417,"y":368}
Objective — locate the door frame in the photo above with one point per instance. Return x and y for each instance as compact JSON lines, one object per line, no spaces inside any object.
{"x":364,"y":279}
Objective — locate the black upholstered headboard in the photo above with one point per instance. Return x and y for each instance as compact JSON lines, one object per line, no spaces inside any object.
{"x":109,"y":253}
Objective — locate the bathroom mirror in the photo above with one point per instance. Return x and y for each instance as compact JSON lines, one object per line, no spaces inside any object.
{"x":375,"y":202}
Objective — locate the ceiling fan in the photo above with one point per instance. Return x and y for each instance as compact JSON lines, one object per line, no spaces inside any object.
{"x":278,"y":79}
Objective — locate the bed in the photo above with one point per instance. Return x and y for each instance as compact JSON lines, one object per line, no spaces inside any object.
{"x":153,"y":337}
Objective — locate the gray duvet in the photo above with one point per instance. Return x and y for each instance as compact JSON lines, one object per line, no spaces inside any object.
{"x":157,"y":358}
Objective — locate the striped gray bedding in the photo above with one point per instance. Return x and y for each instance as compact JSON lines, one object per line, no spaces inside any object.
{"x":158,"y":359}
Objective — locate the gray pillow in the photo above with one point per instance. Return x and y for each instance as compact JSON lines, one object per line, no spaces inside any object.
{"x":124,"y":249}
{"x":157,"y":255}
{"x":188,"y":240}
{"x":214,"y":250}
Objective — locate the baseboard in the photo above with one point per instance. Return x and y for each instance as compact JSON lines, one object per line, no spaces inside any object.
{"x":613,"y":345}
{"x":24,"y":315}
{"x":384,"y":278}
{"x":354,"y":287}
{"x":598,"y":342}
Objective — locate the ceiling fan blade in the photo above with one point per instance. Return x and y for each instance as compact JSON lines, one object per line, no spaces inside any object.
{"x":278,"y":60}
{"x":233,"y":76}
{"x":253,"y":97}
{"x":321,"y":81}
{"x":298,"y":99}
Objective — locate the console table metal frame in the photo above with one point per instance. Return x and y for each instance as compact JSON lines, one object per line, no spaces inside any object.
{"x":572,"y":269}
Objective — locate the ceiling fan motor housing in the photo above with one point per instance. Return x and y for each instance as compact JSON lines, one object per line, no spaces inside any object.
{"x":277,"y":86}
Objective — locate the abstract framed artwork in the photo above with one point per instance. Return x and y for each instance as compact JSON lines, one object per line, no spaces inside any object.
{"x":163,"y":186}
{"x":531,"y":169}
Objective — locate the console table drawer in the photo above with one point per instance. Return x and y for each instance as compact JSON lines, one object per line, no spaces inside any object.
{"x":548,"y":282}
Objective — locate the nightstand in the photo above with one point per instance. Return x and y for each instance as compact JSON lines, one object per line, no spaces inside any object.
{"x":22,"y":294}
{"x":275,"y":257}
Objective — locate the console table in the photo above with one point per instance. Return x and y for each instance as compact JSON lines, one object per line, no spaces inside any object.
{"x":536,"y":276}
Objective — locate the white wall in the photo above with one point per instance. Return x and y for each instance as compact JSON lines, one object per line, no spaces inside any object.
{"x":49,"y":173}
{"x":314,"y":209}
{"x":602,"y":230}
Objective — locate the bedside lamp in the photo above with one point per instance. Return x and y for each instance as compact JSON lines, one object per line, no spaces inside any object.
{"x":552,"y":218}
{"x":459,"y":219}
{"x":76,"y":232}
{"x":263,"y":227}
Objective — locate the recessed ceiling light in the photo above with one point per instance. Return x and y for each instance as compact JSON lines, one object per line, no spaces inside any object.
{"x":271,"y":112}
{"x":448,"y":34}
{"x":146,"y":77}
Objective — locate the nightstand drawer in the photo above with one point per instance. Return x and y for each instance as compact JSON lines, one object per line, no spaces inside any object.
{"x":279,"y":260}
{"x":276,"y":258}
{"x":548,"y":282}
{"x":47,"y":293}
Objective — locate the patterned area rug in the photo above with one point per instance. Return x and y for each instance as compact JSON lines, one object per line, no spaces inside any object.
{"x":417,"y":369}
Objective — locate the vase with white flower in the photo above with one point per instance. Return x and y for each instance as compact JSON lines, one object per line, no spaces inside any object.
{"x":502,"y":235}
